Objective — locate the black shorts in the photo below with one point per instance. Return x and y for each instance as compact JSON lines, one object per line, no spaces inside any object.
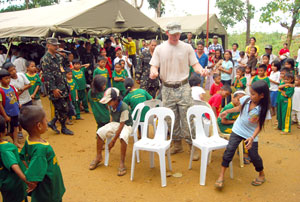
{"x":14,"y":122}
{"x":27,"y":103}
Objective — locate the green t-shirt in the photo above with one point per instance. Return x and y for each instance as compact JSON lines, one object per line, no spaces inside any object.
{"x":244,"y":82}
{"x":121,"y":114}
{"x":266,"y":79}
{"x":231,"y":116}
{"x":119,"y":84}
{"x":79,"y":77}
{"x":35,"y":81}
{"x":125,"y":72}
{"x":135,"y":97}
{"x":73,"y":88}
{"x":12,"y":188}
{"x":100,"y":111}
{"x":102,"y":72}
{"x":43,"y":167}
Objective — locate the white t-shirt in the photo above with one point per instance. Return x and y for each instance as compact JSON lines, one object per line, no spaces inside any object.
{"x":296,"y":98}
{"x":127,"y":68}
{"x":174,"y":61}
{"x":19,"y":83}
{"x":298,"y":58}
{"x":275,"y":76}
{"x":196,"y":92}
{"x":2,"y":59}
{"x":20,"y":65}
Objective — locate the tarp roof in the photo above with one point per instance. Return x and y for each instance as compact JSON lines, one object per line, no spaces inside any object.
{"x":92,"y":17}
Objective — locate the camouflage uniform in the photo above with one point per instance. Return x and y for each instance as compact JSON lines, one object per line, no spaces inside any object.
{"x":55,"y":79}
{"x":143,"y":72}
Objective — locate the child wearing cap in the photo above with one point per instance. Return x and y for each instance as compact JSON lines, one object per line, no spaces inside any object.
{"x":79,"y":76}
{"x":119,"y":127}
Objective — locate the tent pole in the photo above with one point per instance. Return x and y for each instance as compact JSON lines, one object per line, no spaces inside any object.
{"x":53,"y":34}
{"x":9,"y":46}
{"x":207,"y":24}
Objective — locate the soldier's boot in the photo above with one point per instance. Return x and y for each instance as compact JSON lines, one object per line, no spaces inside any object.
{"x":52,"y":125}
{"x":65,"y":130}
{"x":176,"y":147}
{"x":195,"y":155}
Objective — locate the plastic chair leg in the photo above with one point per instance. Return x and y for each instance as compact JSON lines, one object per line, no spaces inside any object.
{"x":135,"y":139}
{"x":162,"y":168}
{"x":107,"y":151}
{"x":169,"y":159}
{"x":204,"y":157}
{"x":191,"y":157}
{"x":231,"y":170}
{"x":241,"y":151}
{"x":132,"y":164}
{"x":209,"y":157}
{"x":151,"y":159}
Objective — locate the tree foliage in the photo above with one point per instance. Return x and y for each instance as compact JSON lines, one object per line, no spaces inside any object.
{"x":27,"y":4}
{"x":158,"y":5}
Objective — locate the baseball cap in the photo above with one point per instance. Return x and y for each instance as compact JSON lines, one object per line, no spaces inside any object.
{"x":52,"y":41}
{"x":215,"y":37}
{"x":212,"y":51}
{"x":174,"y":27}
{"x":117,"y":48}
{"x":109,"y":94}
{"x":268,"y":47}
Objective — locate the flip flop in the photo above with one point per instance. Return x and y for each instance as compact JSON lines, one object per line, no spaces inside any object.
{"x":219,"y":184}
{"x":247,"y":160}
{"x":94,"y":165}
{"x":122,"y":171}
{"x":258,"y":182}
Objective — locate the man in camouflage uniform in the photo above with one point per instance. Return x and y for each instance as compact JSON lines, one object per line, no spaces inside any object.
{"x":143,"y":71}
{"x":173,"y":58}
{"x":57,"y":85}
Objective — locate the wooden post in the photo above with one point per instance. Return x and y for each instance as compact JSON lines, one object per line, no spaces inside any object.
{"x":207,"y":24}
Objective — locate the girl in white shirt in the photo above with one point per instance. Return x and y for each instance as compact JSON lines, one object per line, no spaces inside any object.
{"x":274,"y":83}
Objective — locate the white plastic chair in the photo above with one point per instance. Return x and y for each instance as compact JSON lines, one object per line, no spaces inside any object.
{"x":137,"y":111}
{"x":158,"y":144}
{"x":204,"y":143}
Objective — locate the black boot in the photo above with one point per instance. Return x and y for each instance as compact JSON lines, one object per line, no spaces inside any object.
{"x":52,"y":125}
{"x":65,"y":130}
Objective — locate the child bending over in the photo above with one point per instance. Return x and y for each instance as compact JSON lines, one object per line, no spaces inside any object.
{"x":216,"y":100}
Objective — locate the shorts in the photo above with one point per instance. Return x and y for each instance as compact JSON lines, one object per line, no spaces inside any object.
{"x":27,"y":103}
{"x":14,"y":122}
{"x":110,"y":129}
{"x":273,"y":98}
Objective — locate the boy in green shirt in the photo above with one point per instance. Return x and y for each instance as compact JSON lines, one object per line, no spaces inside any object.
{"x":119,"y":78}
{"x":74,"y":93}
{"x":79,"y":77}
{"x":35,"y":83}
{"x":261,"y":74}
{"x":43,"y":168}
{"x":101,"y":68}
{"x":240,"y":81}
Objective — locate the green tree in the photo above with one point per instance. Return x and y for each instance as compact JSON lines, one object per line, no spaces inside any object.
{"x":272,"y":13}
{"x":234,"y":11}
{"x":26,"y":5}
{"x":158,"y":6}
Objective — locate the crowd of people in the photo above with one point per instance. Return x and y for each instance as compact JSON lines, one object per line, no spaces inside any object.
{"x":245,"y":88}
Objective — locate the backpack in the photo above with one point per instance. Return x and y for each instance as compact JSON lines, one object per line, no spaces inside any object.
{"x":3,"y":94}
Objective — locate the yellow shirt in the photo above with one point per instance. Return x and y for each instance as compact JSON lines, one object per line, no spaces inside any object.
{"x":131,"y":48}
{"x":247,"y":50}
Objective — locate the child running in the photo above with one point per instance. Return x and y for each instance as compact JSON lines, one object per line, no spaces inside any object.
{"x":217,"y":85}
{"x":253,"y":110}
{"x":261,"y":75}
{"x":274,"y":82}
{"x":43,"y":168}
{"x":119,"y":78}
{"x":296,"y":103}
{"x":240,"y":81}
{"x":119,"y":127}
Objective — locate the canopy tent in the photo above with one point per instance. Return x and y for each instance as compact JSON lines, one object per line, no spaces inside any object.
{"x":85,"y":17}
{"x":196,"y":24}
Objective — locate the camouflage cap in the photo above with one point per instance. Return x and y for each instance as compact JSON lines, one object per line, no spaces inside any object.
{"x":53,"y":41}
{"x":174,"y":27}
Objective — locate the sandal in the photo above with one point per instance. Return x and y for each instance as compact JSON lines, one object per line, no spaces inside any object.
{"x":258,"y":182}
{"x":219,"y":184}
{"x":122,"y":171}
{"x":94,"y":164}
{"x":247,"y":160}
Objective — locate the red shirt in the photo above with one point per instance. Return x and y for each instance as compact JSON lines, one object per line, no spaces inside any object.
{"x":283,"y":51}
{"x":215,"y":88}
{"x":216,"y":101}
{"x":269,"y":69}
{"x":108,"y":67}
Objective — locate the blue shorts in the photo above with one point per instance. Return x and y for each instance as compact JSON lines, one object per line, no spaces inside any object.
{"x":273,"y":97}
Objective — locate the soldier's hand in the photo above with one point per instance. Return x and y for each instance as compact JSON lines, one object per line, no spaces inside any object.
{"x":153,"y":73}
{"x":57,"y":93}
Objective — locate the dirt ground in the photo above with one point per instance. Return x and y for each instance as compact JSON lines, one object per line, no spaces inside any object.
{"x":279,"y":153}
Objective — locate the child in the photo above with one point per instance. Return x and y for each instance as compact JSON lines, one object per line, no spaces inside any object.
{"x":70,"y":60}
{"x":243,"y":60}
{"x":43,"y":168}
{"x":12,"y":178}
{"x":296,"y":105}
{"x":9,"y":105}
{"x":226,"y":71}
{"x":274,"y":82}
{"x":216,"y":100}
{"x":74,"y":93}
{"x":284,"y":108}
{"x":248,"y":77}
{"x":240,"y":81}
{"x":79,"y":77}
{"x":265,"y":61}
{"x":35,"y":83}
{"x":210,"y":71}
{"x":217,"y":85}
{"x":120,"y":127}
{"x":122,"y":62}
{"x":95,"y":94}
{"x":290,"y":64}
{"x":119,"y":78}
{"x":101,"y":70}
{"x":253,"y":110}
{"x":226,"y":123}
{"x":108,"y":65}
{"x":134,"y":96}
{"x":197,"y":91}
{"x":261,"y":75}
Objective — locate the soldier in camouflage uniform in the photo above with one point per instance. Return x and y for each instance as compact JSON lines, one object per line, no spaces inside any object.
{"x":57,"y":85}
{"x":143,"y":71}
